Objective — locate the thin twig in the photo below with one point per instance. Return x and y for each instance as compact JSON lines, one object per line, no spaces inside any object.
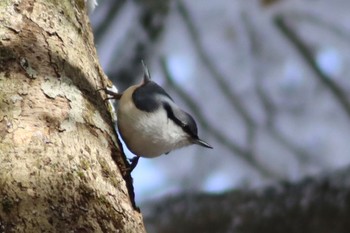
{"x":100,"y":30}
{"x":266,"y":102}
{"x":213,"y":70}
{"x":307,"y":55}
{"x":333,"y":28}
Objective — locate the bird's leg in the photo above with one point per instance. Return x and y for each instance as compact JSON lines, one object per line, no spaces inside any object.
{"x":133,"y":163}
{"x":114,"y":95}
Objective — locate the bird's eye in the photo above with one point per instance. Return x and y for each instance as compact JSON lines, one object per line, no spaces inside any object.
{"x":186,"y":127}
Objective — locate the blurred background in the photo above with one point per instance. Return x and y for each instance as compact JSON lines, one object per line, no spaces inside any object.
{"x":266,"y":80}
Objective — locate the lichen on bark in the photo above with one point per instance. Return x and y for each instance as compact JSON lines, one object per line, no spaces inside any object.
{"x":57,"y":140}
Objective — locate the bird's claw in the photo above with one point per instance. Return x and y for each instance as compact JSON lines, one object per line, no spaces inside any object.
{"x":133,"y":163}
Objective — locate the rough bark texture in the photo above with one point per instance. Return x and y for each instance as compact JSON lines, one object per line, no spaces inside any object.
{"x":315,"y":205}
{"x":56,"y":137}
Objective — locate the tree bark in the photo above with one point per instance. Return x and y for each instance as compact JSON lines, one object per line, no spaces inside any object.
{"x":56,"y":137}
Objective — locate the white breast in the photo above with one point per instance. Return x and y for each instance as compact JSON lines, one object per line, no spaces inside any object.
{"x":148,"y":134}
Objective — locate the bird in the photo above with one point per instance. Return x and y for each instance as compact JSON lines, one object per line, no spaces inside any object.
{"x":151,"y":123}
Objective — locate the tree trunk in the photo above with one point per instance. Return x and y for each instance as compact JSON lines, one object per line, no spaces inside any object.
{"x":56,"y":137}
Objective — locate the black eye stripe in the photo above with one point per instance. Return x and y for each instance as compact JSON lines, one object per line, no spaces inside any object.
{"x":171,"y":115}
{"x":192,"y":131}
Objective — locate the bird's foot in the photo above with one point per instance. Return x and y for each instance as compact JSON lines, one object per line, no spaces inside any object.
{"x":112,"y":94}
{"x":133,"y":163}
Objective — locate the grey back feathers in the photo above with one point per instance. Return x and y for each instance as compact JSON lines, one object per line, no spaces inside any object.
{"x":147,"y":97}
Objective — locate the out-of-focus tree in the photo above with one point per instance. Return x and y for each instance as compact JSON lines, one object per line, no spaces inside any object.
{"x":266,"y":80}
{"x":313,"y":205}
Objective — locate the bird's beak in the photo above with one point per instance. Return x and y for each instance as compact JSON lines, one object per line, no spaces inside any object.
{"x":202,"y":143}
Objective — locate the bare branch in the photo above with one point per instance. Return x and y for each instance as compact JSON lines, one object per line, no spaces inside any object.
{"x":316,"y":20}
{"x":267,"y":104}
{"x":213,"y":70}
{"x":308,"y":57}
{"x":101,"y":28}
